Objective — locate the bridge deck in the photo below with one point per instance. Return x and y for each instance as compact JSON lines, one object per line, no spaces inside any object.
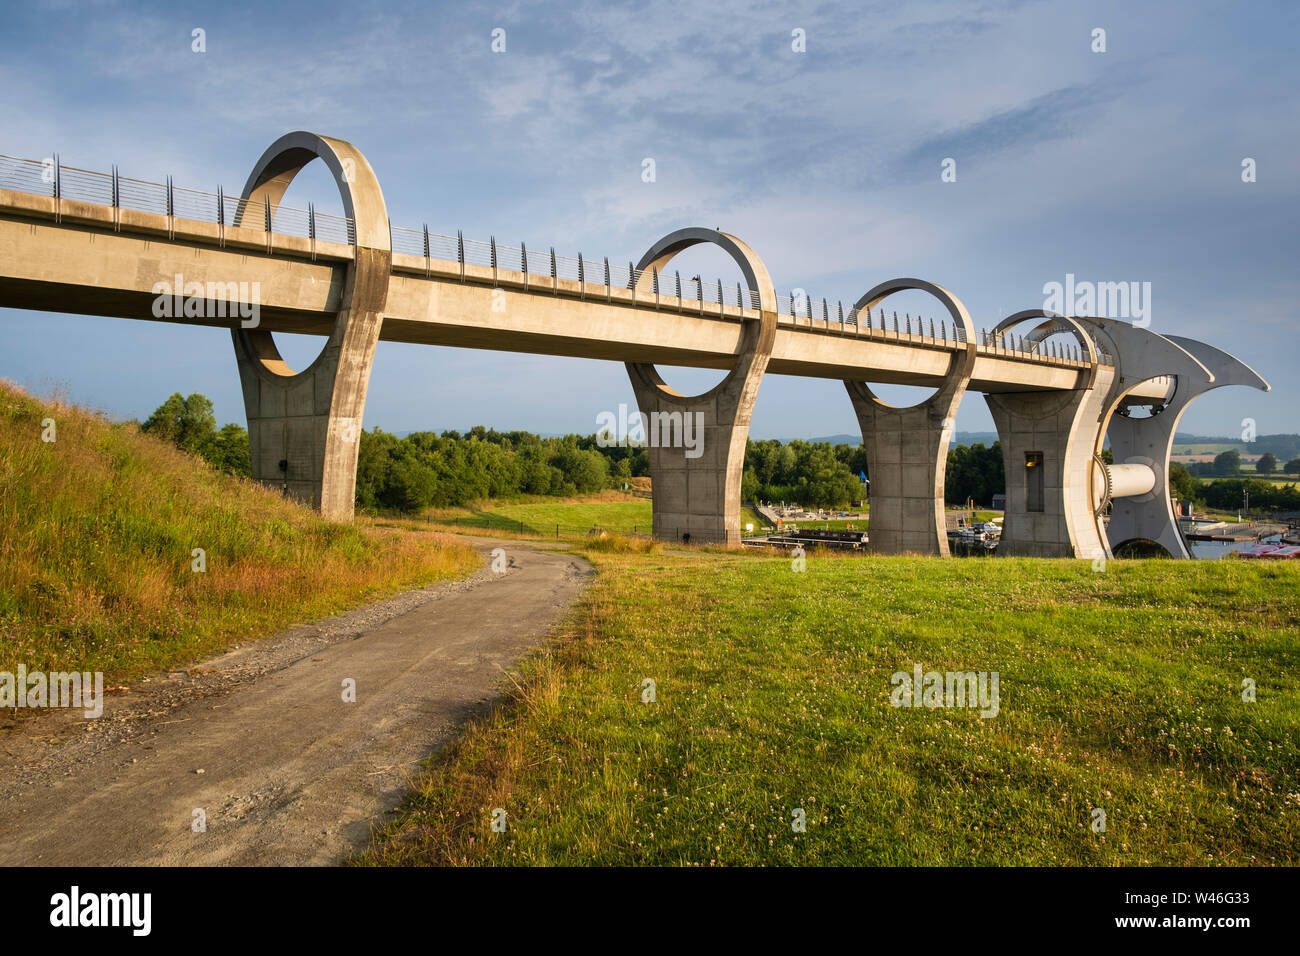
{"x":66,"y":255}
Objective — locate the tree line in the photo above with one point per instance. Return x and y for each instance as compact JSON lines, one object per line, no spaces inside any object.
{"x":1228,"y":463}
{"x":427,"y":469}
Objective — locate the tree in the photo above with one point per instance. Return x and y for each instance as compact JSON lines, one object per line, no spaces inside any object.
{"x":187,"y":423}
{"x":974,"y":471}
{"x":1293,"y":467}
{"x":1267,"y":464}
{"x":228,"y":451}
{"x":1227,"y":463}
{"x":1181,"y":483}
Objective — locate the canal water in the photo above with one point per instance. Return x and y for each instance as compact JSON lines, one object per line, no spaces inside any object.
{"x":1213,"y":550}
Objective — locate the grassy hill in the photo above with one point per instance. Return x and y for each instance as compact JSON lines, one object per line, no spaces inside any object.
{"x":97,"y":534}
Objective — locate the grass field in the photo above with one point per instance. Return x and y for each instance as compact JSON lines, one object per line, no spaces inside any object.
{"x":97,"y":536}
{"x":614,"y":511}
{"x":1119,"y":691}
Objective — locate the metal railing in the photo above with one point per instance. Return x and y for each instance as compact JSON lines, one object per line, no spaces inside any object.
{"x":51,"y":178}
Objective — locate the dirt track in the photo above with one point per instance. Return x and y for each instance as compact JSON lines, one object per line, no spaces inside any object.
{"x":290,"y":773}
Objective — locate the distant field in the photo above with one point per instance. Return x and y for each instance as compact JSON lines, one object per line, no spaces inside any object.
{"x":614,"y":511}
{"x":1206,"y":457}
{"x":1119,"y":691}
{"x":1280,"y":480}
{"x":1205,"y":448}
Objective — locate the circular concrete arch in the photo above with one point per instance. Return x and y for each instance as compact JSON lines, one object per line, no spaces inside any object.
{"x":963,"y":361}
{"x":366,"y":286}
{"x":1055,"y":323}
{"x":1144,"y":547}
{"x":757,"y":338}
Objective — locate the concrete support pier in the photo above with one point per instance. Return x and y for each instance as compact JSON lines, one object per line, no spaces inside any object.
{"x":696,"y":490}
{"x":907,"y":448}
{"x":304,"y":427}
{"x":1049,"y":442}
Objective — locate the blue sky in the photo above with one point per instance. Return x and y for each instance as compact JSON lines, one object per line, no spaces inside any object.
{"x":1115,"y":166}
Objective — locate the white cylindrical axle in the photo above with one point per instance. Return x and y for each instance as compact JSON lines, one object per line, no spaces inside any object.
{"x":1130,"y":480}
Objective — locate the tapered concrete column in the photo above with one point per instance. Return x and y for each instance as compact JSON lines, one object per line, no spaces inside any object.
{"x":696,"y":490}
{"x":304,"y":427}
{"x":907,"y":448}
{"x":1048,"y":440}
{"x":1149,"y":441}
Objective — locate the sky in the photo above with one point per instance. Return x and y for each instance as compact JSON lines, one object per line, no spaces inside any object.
{"x":1117,"y":166}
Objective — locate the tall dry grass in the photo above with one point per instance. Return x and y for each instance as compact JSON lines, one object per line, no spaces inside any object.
{"x":97,"y":534}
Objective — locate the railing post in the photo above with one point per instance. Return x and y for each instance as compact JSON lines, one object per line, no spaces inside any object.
{"x":311,"y":228}
{"x":117,"y":206}
{"x":56,"y":188}
{"x":460,"y":253}
{"x":582,"y":278}
{"x":609,"y":292}
{"x":654,"y":277}
{"x":678,"y":287}
{"x":523,"y":261}
{"x":555,"y":274}
{"x":492,"y":240}
{"x":428,"y":259}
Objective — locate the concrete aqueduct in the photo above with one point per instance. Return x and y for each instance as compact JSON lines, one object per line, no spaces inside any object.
{"x":101,"y":244}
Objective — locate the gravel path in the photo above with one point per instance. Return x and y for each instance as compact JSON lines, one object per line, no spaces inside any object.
{"x":260,"y":739}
